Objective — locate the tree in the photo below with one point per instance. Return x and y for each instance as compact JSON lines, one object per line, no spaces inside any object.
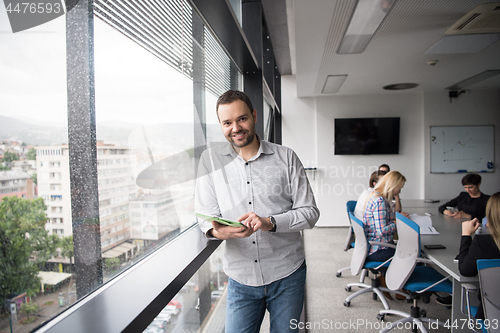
{"x":9,"y":157}
{"x":31,"y":154}
{"x":22,"y":237}
{"x":34,"y":177}
{"x":29,"y":308}
{"x":67,"y":250}
{"x":4,"y":168}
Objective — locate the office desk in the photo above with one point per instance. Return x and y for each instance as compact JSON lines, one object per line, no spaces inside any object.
{"x":419,"y":203}
{"x":450,"y":233}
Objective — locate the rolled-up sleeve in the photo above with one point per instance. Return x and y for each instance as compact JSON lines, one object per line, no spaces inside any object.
{"x":304,"y":213}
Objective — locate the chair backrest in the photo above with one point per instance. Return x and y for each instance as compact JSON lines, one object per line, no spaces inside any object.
{"x":351,"y":205}
{"x":360,"y":246}
{"x":489,"y":271}
{"x":407,"y":251}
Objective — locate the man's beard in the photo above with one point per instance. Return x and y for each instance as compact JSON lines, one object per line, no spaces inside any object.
{"x":249,"y":139}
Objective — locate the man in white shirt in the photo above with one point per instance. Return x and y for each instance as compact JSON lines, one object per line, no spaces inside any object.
{"x":264,"y":186}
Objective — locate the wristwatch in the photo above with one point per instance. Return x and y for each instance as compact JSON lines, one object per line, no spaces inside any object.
{"x":273,"y":221}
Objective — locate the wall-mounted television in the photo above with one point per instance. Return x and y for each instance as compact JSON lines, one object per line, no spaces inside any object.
{"x":366,"y":136}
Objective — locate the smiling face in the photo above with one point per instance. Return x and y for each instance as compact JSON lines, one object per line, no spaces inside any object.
{"x":238,"y":123}
{"x":473,"y":190}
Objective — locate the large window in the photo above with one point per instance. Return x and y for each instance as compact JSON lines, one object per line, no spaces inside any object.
{"x":157,"y":72}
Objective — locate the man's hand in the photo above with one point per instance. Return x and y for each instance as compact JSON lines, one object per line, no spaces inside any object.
{"x":223,"y":232}
{"x":255,"y":222}
{"x":405,"y":214}
{"x":470,"y":227}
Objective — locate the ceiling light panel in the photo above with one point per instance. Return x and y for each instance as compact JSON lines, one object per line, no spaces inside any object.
{"x":333,"y":84}
{"x":366,"y":19}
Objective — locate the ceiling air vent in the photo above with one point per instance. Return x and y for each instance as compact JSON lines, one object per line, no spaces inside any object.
{"x":484,"y":19}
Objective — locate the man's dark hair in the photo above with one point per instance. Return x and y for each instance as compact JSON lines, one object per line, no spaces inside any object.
{"x":385,"y":166}
{"x":233,"y":95}
{"x":376,"y":176}
{"x":471,"y":179}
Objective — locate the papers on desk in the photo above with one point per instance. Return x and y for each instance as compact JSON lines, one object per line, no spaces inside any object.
{"x":425,"y":224}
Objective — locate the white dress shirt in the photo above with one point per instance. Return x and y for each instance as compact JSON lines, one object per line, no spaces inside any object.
{"x":272,"y":183}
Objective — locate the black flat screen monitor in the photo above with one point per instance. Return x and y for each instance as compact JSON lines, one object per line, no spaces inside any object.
{"x":366,"y":136}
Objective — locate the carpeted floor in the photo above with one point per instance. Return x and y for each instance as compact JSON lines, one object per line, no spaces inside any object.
{"x":325,"y":293}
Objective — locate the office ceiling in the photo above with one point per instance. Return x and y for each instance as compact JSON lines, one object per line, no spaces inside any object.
{"x":307,"y":34}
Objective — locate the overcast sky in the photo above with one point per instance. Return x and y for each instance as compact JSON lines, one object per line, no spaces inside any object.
{"x":131,"y":84}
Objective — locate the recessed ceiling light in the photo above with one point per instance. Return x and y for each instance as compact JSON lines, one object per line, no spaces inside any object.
{"x":333,"y":84}
{"x":474,"y":79}
{"x":400,"y":86}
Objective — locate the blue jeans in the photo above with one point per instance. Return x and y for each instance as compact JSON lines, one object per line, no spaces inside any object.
{"x":247,"y":305}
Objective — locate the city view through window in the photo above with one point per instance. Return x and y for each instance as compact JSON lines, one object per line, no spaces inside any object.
{"x":148,"y":124}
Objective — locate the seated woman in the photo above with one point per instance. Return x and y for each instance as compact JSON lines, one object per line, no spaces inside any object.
{"x":483,"y":246}
{"x":361,"y":203}
{"x":379,"y":219}
{"x":470,"y":204}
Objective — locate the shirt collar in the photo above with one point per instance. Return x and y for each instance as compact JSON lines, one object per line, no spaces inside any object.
{"x":264,"y":148}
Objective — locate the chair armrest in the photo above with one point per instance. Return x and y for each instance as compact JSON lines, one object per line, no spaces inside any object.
{"x":424,"y":260}
{"x":469,"y":287}
{"x":432,"y":285}
{"x":465,"y":299}
{"x":382,"y":244}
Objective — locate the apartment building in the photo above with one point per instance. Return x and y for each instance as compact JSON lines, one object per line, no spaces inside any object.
{"x":16,"y":183}
{"x":116,"y":189}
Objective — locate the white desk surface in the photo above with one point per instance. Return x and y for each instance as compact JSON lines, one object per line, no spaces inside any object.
{"x":419,"y":203}
{"x":450,"y":234}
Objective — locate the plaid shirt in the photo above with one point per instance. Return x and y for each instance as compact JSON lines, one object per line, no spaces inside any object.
{"x":379,"y":222}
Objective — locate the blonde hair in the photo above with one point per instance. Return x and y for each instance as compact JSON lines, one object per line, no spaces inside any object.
{"x":493,"y":216}
{"x":388,"y":183}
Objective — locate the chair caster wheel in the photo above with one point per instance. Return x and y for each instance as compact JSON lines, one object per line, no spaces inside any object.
{"x":423,"y":313}
{"x":347,"y":288}
{"x":346,"y":304}
{"x":380,"y":317}
{"x":339,"y":274}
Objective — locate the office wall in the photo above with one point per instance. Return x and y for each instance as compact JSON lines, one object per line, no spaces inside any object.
{"x":308,"y":129}
{"x":472,"y":108}
{"x":309,"y":126}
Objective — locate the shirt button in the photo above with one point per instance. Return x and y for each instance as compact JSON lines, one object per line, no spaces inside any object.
{"x":246,"y":163}
{"x":255,"y":260}
{"x":248,"y":182}
{"x":249,"y":203}
{"x":253,"y":242}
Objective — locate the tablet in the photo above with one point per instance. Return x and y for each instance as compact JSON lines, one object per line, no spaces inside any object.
{"x":210,"y":218}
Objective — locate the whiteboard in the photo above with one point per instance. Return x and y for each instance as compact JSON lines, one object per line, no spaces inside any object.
{"x":462,"y":149}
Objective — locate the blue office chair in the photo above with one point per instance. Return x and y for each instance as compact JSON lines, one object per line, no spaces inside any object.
{"x":349,"y":243}
{"x":350,"y":206}
{"x":489,"y":271}
{"x":359,"y":264}
{"x":419,"y":281}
